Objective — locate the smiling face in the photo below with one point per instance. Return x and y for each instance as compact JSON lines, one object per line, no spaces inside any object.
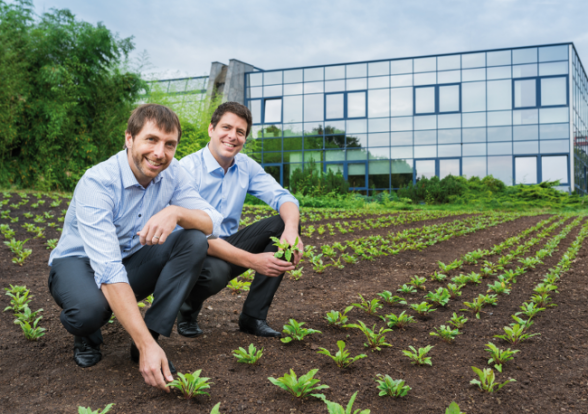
{"x":227,"y":139}
{"x":150,"y":152}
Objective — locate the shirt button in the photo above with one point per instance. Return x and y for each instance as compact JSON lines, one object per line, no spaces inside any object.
{"x":139,"y":215}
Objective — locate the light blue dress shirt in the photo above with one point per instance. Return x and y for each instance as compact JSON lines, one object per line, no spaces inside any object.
{"x":109,"y":207}
{"x":226,"y":192}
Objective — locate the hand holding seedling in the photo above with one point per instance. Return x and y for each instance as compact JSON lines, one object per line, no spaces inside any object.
{"x":293,"y":239}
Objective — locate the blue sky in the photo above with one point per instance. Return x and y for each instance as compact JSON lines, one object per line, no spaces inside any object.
{"x":182,"y":38}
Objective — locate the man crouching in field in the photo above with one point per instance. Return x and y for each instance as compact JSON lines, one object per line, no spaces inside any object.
{"x":117,"y":245}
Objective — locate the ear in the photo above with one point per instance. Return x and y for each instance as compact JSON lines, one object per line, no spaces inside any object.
{"x":128,"y":140}
{"x":210,"y":129}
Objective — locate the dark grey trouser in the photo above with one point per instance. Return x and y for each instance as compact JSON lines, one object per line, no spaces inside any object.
{"x":168,"y":271}
{"x":217,"y":273}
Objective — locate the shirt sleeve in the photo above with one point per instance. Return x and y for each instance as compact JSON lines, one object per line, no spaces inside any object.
{"x":266,"y":188}
{"x":185,"y":195}
{"x":94,"y":213}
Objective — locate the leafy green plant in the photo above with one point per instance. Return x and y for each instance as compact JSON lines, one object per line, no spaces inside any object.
{"x":16,"y":289}
{"x":296,"y":332}
{"x":445,"y":333}
{"x":525,"y":324}
{"x":400,"y":321}
{"x":295,"y":274}
{"x":453,"y":409}
{"x":335,"y":408}
{"x":337,"y":318}
{"x":454,"y":290}
{"x":285,"y":250}
{"x":422,"y":308}
{"x":499,"y":287}
{"x":487,"y":380}
{"x":475,"y":306}
{"x":51,"y":243}
{"x":529,"y":309}
{"x":249,"y":356}
{"x":457,"y":320}
{"x":460,"y":280}
{"x":341,"y":358}
{"x":542,"y":288}
{"x":300,"y":387}
{"x":406,"y":289}
{"x":349,"y":258}
{"x":375,"y":340}
{"x":31,"y":332}
{"x":438,"y":277}
{"x":515,"y":334}
{"x":543,"y":300}
{"x":391,"y":299}
{"x":474,"y":277}
{"x":26,"y":315}
{"x":18,"y":301}
{"x":370,"y":307}
{"x":88,"y":410}
{"x":499,"y":356}
{"x":238,"y":286}
{"x":440,"y":297}
{"x":419,"y":357}
{"x":249,"y":275}
{"x":191,"y":385}
{"x":391,"y":387}
{"x":418,"y":282}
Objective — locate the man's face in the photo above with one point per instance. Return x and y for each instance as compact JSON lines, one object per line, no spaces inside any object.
{"x":150,"y":152}
{"x":227,"y":139}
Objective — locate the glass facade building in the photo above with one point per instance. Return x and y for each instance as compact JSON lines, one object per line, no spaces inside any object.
{"x":518,"y":114}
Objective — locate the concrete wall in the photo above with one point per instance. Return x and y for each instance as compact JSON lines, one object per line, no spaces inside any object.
{"x":234,"y":87}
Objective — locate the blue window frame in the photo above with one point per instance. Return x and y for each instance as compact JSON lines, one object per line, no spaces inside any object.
{"x":345,"y":105}
{"x":266,"y":110}
{"x":533,"y":92}
{"x":437,"y":99}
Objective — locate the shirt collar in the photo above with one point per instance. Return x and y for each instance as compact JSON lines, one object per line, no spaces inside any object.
{"x":211,"y":163}
{"x":128,"y":177}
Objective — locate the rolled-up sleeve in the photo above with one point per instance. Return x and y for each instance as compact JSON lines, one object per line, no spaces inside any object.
{"x":94,"y":213}
{"x":266,"y":188}
{"x":185,"y":195}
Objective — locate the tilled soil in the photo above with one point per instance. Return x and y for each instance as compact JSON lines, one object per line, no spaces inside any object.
{"x":551,"y":370}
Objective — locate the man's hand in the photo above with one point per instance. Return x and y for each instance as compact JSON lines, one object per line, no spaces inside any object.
{"x":290,"y":236}
{"x":266,"y":264}
{"x":159,"y":226}
{"x":151,"y":364}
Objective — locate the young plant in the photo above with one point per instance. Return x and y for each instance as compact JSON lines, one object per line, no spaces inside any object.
{"x":460,"y":280}
{"x":440,"y":297}
{"x":375,"y":340}
{"x":418,"y":282}
{"x":499,"y":356}
{"x":391,"y":387}
{"x":542,"y":288}
{"x":300,"y":387}
{"x":349,"y":258}
{"x":526,"y":324}
{"x":438,"y":277}
{"x":489,"y":299}
{"x":390,"y":299}
{"x":295,"y":274}
{"x":370,"y":307}
{"x":32,"y":333}
{"x":337,"y":318}
{"x":499,"y":288}
{"x":26,"y":315}
{"x":337,"y":263}
{"x":335,"y":408}
{"x":248,"y":275}
{"x":453,"y":409}
{"x":285,"y":250}
{"x":529,"y":309}
{"x":341,"y":358}
{"x":249,"y":356}
{"x":406,"y":289}
{"x":88,"y":410}
{"x":18,"y":301}
{"x":457,"y":321}
{"x":423,"y":308}
{"x":475,"y":306}
{"x":238,"y":286}
{"x":454,"y":290}
{"x":487,"y":380}
{"x":296,"y":332}
{"x":419,"y":357}
{"x":474,"y":277}
{"x":446,"y":333}
{"x":317,"y":264}
{"x":16,"y":289}
{"x":515,"y":334}
{"x":400,"y":321}
{"x":543,"y":300}
{"x":191,"y":385}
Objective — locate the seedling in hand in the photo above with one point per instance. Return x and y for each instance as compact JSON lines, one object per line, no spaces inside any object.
{"x":296,"y":332}
{"x":191,"y":385}
{"x":419,"y":357}
{"x":285,"y":249}
{"x":499,"y":356}
{"x":487,"y":380}
{"x":391,"y":387}
{"x":300,"y":387}
{"x":249,"y":356}
{"x":341,"y":358}
{"x":445,"y":333}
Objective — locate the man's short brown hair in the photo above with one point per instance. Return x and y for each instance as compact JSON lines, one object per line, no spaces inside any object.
{"x":235,"y":108}
{"x":163,"y":117}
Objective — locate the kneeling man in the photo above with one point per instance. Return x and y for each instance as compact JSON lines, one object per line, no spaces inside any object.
{"x":224,"y":177}
{"x":117,"y":245}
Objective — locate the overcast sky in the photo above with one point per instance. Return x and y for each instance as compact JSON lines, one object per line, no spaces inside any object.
{"x":182,"y":38}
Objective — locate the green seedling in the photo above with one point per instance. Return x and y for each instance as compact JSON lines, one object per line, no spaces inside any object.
{"x":26,"y":315}
{"x":335,"y":408}
{"x":474,"y":277}
{"x":487,"y":271}
{"x":249,"y":356}
{"x":418,"y":282}
{"x":16,"y":289}
{"x":375,"y":340}
{"x":487,"y":380}
{"x":341,"y":358}
{"x":328,"y":251}
{"x":390,"y":299}
{"x":51,"y":243}
{"x":453,"y":409}
{"x":296,"y":332}
{"x":438,"y":277}
{"x":295,"y":274}
{"x":475,"y":306}
{"x":499,"y":288}
{"x":446,"y":333}
{"x":457,"y":320}
{"x":191,"y":385}
{"x":18,"y":301}
{"x":526,"y":324}
{"x":391,"y":387}
{"x":285,"y":250}
{"x":474,"y":256}
{"x":529,"y":309}
{"x":543,"y":300}
{"x":15,"y":246}
{"x":32,"y":333}
{"x":88,"y":410}
{"x":530,"y":262}
{"x":238,"y":286}
{"x":337,"y":318}
{"x":423,"y":308}
{"x":249,"y":275}
{"x":400,"y":321}
{"x":543,"y":288}
{"x":371,"y":307}
{"x":337,"y":263}
{"x":499,"y":356}
{"x":454,"y":290}
{"x":406,"y":289}
{"x":349,"y":258}
{"x":318,"y":265}
{"x":460,"y":280}
{"x":515,"y":334}
{"x":489,"y":299}
{"x":419,"y":357}
{"x":440,"y":297}
{"x":300,"y":387}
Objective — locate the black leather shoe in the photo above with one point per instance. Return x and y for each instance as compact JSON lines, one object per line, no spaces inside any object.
{"x":135,"y":358}
{"x":86,"y":353}
{"x":189,"y":329}
{"x":257,"y":327}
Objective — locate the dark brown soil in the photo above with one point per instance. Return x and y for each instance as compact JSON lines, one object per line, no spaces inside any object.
{"x":551,"y":370}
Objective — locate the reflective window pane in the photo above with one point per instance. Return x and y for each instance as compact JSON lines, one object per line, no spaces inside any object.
{"x":553,"y":91}
{"x":400,"y":66}
{"x":255,"y":92}
{"x":379,"y":82}
{"x":499,"y":148}
{"x":401,"y":138}
{"x":378,"y":103}
{"x":500,"y":118}
{"x":524,"y":71}
{"x":379,"y":125}
{"x":293,"y":89}
{"x":425,"y":122}
{"x":313,"y":74}
{"x":356,"y":84}
{"x":335,"y":127}
{"x":356,"y":155}
{"x":525,"y":116}
{"x":292,"y":156}
{"x":526,"y":170}
{"x":448,"y":167}
{"x":400,"y":80}
{"x":473,"y":96}
{"x":449,"y":121}
{"x":255,"y":108}
{"x":275,"y":90}
{"x":272,"y":131}
{"x":357,"y":71}
{"x":429,"y":78}
{"x":449,"y":151}
{"x":554,"y":131}
{"x":499,"y":95}
{"x":292,"y":144}
{"x":474,"y":167}
{"x":401,"y":172}
{"x":314,"y":87}
{"x":449,"y":98}
{"x":334,"y":155}
{"x":379,"y":153}
{"x":501,"y":72}
{"x":379,"y":68}
{"x":356,"y":105}
{"x":334,"y":86}
{"x":334,"y":72}
{"x":473,"y":60}
{"x":335,"y":106}
{"x":525,"y":133}
{"x":473,"y":120}
{"x":313,"y":107}
{"x":474,"y":135}
{"x":501,"y":168}
{"x":401,"y":152}
{"x":468,"y":75}
{"x":451,"y":76}
{"x":272,"y":78}
{"x":555,"y":168}
{"x":550,"y":53}
{"x":401,"y":124}
{"x":272,"y":144}
{"x":425,"y":169}
{"x":335,"y":141}
{"x":449,"y":136}
{"x":379,"y":140}
{"x":293,"y":76}
{"x":292,"y":130}
{"x":425,"y":137}
{"x":255,"y":79}
{"x":525,"y":147}
{"x":473,"y":149}
{"x":554,"y":68}
{"x":525,"y":93}
{"x":496,"y":134}
{"x":356,"y":126}
{"x":553,"y":115}
{"x":553,"y":147}
{"x":311,"y":143}
{"x":401,"y":101}
{"x":379,"y":174}
{"x":498,"y":58}
{"x":273,"y":111}
{"x":524,"y":55}
{"x":448,"y":62}
{"x":429,"y":151}
{"x":425,"y":100}
{"x":425,"y":64}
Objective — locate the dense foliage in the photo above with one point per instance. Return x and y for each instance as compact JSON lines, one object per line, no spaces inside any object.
{"x":65,"y":97}
{"x":311,"y":182}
